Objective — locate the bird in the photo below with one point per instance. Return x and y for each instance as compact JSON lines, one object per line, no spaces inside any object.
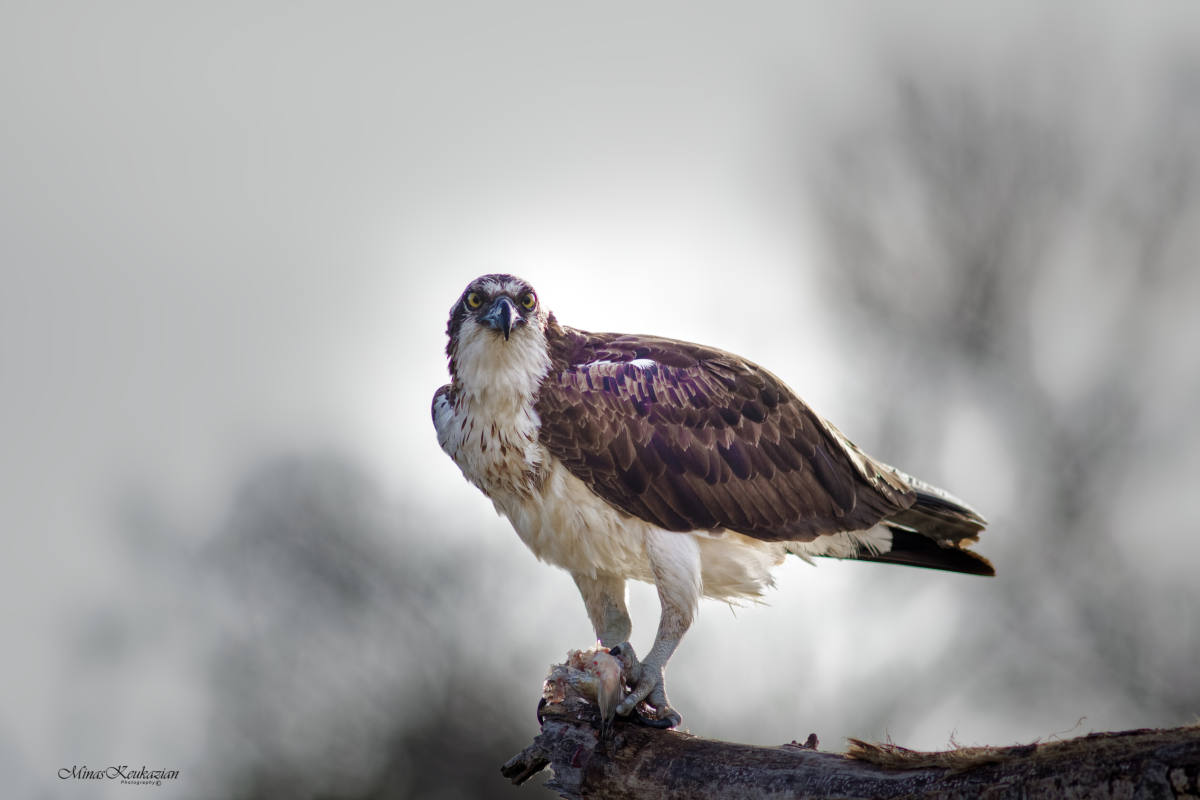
{"x":624,"y":457}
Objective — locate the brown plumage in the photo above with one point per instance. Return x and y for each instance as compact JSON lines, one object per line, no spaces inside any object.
{"x":689,"y":437}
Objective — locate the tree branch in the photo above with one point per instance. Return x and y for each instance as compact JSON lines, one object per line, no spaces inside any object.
{"x":635,"y":761}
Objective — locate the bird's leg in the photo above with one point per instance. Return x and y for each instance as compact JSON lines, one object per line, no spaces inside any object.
{"x":675,"y":559}
{"x":604,"y":597}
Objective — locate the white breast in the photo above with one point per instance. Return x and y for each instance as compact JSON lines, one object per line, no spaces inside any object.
{"x":499,"y":455}
{"x":491,"y":428}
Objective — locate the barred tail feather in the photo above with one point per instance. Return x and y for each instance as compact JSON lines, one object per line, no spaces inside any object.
{"x":933,"y":532}
{"x":917,"y":550}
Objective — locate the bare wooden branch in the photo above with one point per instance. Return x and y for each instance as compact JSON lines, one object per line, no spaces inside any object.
{"x":635,"y":761}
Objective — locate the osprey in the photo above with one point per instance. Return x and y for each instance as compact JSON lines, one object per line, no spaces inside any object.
{"x":622,"y":457}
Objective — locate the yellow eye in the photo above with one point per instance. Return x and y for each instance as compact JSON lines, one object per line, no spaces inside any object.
{"x":474,"y":300}
{"x":528,"y":301}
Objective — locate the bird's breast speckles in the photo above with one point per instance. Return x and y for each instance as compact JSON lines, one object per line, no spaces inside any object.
{"x":499,"y":454}
{"x":490,"y":427}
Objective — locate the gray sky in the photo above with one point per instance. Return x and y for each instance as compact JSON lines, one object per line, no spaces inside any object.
{"x":229,"y":230}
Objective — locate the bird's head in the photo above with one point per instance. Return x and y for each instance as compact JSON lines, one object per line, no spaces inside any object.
{"x":496,"y":325}
{"x":501,"y":304}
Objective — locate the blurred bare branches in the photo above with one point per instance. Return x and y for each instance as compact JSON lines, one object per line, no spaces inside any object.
{"x":1028,"y":250}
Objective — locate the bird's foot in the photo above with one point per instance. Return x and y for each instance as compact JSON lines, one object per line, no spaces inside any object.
{"x":647,"y":690}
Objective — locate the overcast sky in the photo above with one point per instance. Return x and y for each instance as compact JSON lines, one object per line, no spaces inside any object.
{"x":232,"y":230}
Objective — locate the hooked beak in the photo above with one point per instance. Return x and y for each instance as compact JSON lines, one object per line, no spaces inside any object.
{"x":502,"y":316}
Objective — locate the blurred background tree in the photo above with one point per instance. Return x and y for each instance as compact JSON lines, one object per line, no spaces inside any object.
{"x":1021,"y":265}
{"x":349,"y":668}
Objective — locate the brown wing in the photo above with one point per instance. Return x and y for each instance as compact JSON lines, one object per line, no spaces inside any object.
{"x":693,"y":438}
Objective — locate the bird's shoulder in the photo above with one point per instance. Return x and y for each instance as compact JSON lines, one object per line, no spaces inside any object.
{"x":441,"y":409}
{"x":571,"y":348}
{"x":443,"y":396}
{"x":665,"y":380}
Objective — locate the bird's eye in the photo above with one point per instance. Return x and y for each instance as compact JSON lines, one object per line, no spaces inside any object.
{"x":474,"y":300}
{"x":528,"y":301}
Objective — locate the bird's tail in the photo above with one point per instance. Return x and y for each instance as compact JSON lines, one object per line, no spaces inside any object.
{"x":933,"y":532}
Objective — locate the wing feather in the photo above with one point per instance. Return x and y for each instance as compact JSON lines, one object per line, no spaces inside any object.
{"x":692,"y":438}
